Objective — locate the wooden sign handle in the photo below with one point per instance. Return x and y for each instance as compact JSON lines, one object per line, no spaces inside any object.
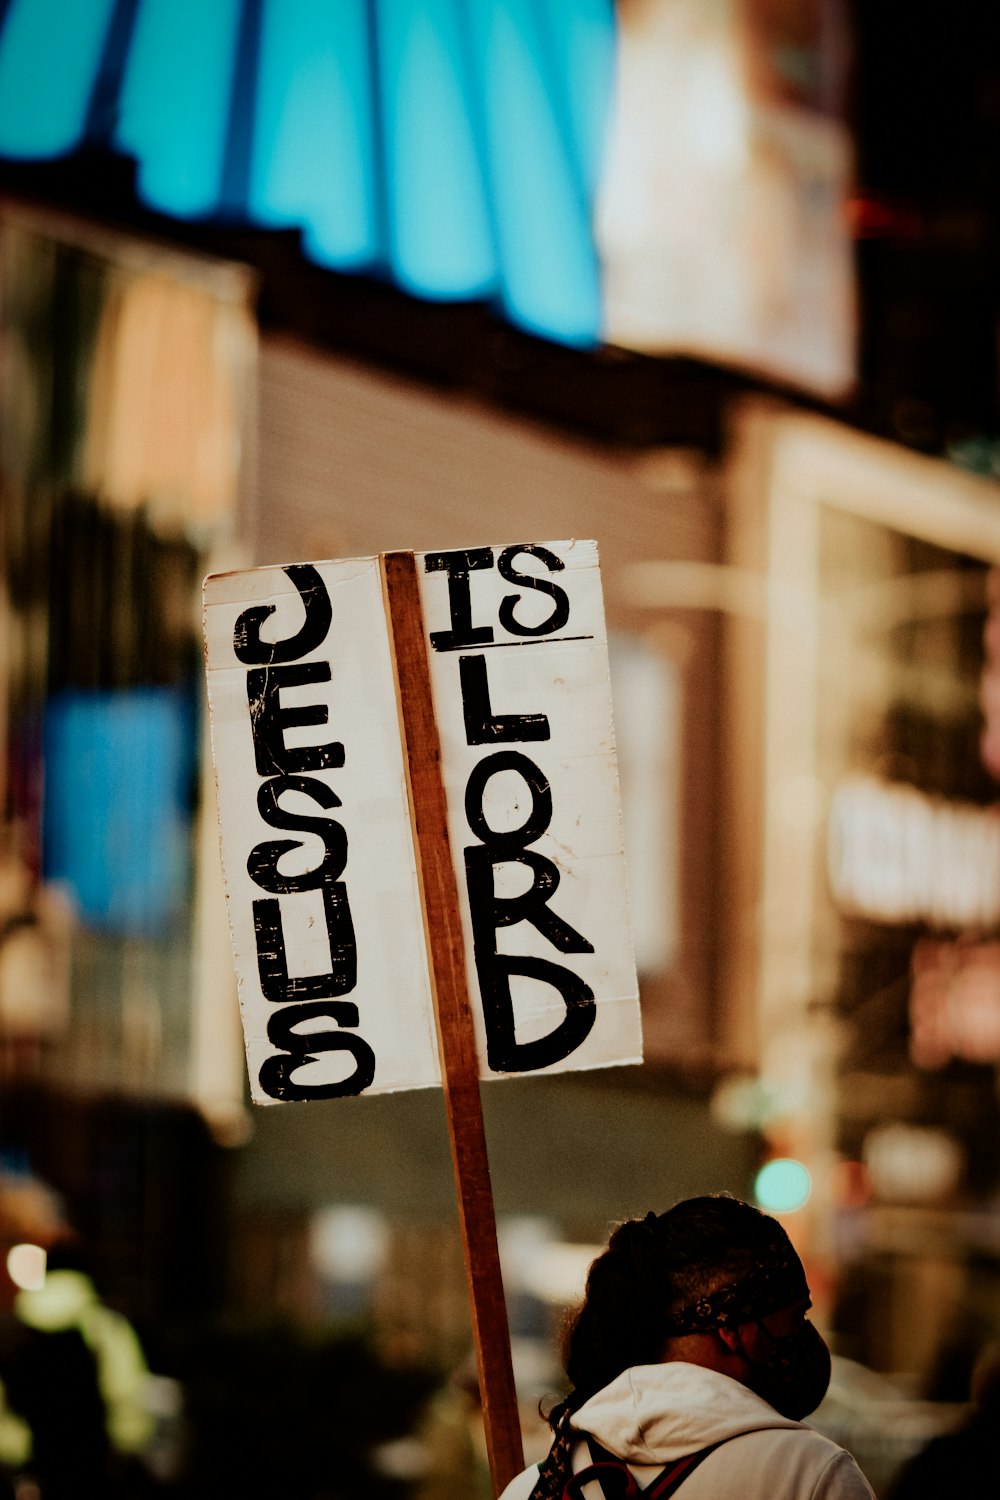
{"x":456,"y":1032}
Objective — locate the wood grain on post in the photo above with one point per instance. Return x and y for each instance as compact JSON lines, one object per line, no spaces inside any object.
{"x":456,"y":1031}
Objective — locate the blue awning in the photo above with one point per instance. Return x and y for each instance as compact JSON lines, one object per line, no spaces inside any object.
{"x":451,"y":146}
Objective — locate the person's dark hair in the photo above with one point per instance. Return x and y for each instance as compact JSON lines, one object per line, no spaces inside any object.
{"x":652,"y":1269}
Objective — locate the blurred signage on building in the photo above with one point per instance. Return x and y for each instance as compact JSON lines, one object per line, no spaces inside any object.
{"x":895,"y":854}
{"x":720,"y":217}
{"x":327,"y":929}
{"x":954,"y":1003}
{"x":989,"y":682}
{"x":880,"y":833}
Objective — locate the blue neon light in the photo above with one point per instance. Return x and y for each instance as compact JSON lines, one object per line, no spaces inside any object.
{"x":314,"y":148}
{"x":453,"y":146}
{"x":581,"y":50}
{"x":49,"y":56}
{"x":175,"y":101}
{"x":117,"y":814}
{"x":551,"y":283}
{"x":441,"y":240}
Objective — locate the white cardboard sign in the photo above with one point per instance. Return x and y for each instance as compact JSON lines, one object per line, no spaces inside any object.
{"x":317,"y":847}
{"x":522,"y":698}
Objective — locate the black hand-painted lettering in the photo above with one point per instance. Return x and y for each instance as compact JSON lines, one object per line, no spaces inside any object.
{"x":301,"y":1047}
{"x":531,"y":905}
{"x":482,"y":725}
{"x":458,"y":565}
{"x":307,"y":998}
{"x":504,"y":1052}
{"x":560,"y":611}
{"x":272,"y":961}
{"x":262,"y":862}
{"x":539,"y":817}
{"x":269,"y":720}
{"x":253,"y":652}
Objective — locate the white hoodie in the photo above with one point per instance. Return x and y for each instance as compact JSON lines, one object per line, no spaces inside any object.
{"x":653,"y":1415}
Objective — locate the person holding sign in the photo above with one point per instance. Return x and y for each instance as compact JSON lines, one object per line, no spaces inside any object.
{"x":434,"y":731}
{"x":692,"y":1361}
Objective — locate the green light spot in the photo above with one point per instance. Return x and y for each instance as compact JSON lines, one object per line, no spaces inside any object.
{"x":782,"y":1186}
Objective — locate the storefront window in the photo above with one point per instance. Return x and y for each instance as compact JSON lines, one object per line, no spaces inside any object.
{"x":127,"y":372}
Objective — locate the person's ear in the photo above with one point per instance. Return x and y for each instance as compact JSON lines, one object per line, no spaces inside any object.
{"x":731,"y":1338}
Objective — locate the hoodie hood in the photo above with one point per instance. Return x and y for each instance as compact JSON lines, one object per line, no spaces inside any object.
{"x":653,"y":1414}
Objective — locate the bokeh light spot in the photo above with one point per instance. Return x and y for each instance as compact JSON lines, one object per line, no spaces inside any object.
{"x":783,"y":1185}
{"x":26,"y":1266}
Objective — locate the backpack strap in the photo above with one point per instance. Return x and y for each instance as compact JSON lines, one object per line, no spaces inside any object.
{"x":621,"y":1482}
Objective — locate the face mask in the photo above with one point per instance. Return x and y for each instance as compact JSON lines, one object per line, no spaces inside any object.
{"x":794,"y":1374}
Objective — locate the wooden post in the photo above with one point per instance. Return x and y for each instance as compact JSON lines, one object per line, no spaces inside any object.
{"x":456,"y":1032}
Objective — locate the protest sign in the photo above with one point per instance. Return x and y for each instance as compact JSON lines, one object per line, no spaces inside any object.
{"x":327,"y":925}
{"x":519,"y":670}
{"x":317,"y":851}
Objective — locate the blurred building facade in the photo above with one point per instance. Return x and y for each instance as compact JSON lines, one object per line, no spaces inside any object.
{"x":802,"y":653}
